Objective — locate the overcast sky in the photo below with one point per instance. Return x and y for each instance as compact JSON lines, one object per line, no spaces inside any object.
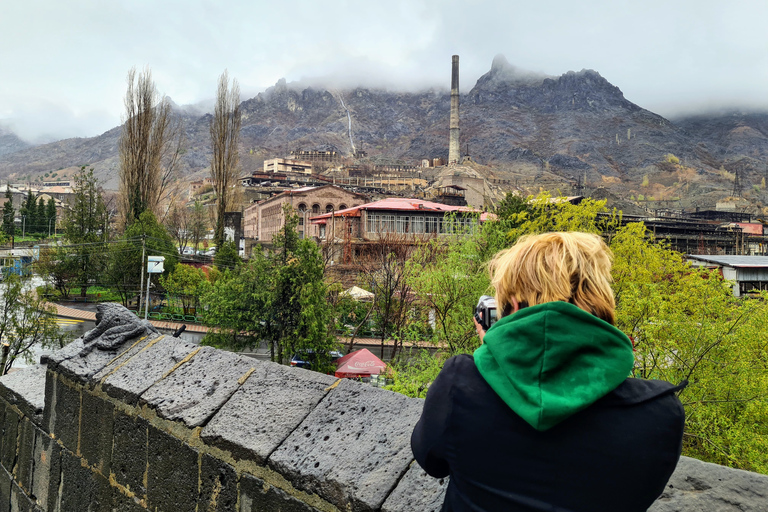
{"x":63,"y":64}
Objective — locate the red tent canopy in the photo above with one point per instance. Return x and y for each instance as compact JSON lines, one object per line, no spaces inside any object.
{"x":360,"y":363}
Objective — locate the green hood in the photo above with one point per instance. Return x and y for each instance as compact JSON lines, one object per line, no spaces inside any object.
{"x":550,"y":361}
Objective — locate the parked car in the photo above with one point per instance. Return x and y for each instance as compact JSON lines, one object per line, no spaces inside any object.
{"x":305,"y":358}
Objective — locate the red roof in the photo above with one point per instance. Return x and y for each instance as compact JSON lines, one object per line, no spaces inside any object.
{"x":396,"y":204}
{"x":360,"y":363}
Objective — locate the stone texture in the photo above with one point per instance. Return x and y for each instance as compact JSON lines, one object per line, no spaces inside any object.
{"x":172,"y":473}
{"x":218,"y":486}
{"x":417,"y":491}
{"x":25,"y":389}
{"x":265,"y":410}
{"x":81,"y":488}
{"x":129,"y":351}
{"x":97,"y":417}
{"x":353,"y":448}
{"x":80,"y":362}
{"x":20,"y":501}
{"x":129,"y":452}
{"x":24,"y":455}
{"x":197,"y":389}
{"x":5,"y":490}
{"x":258,"y":496}
{"x":145,"y":368}
{"x":47,"y":470}
{"x":10,"y":432}
{"x":705,"y":487}
{"x":64,"y":409}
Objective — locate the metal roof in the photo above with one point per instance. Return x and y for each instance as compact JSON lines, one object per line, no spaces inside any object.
{"x":733,"y":261}
{"x":397,"y":204}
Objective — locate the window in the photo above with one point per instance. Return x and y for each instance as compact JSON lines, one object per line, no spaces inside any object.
{"x":322,"y":230}
{"x":403,"y":224}
{"x":417,"y":224}
{"x":342,"y":206}
{"x":302,"y":207}
{"x":328,"y":208}
{"x":430,"y":225}
{"x":315,"y":208}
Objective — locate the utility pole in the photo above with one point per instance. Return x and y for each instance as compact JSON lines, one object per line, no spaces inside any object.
{"x":143,"y":259}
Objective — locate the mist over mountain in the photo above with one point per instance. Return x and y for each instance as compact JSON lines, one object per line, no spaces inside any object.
{"x":531,"y":130}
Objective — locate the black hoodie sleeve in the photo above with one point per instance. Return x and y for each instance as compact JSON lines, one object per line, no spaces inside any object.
{"x":429,"y":437}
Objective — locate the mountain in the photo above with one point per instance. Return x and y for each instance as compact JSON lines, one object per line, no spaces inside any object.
{"x":10,"y":142}
{"x":529,"y":131}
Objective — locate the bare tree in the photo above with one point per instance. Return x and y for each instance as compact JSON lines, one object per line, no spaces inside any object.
{"x":383,"y":269}
{"x":177,"y":222}
{"x":198,"y":224}
{"x":225,"y":139}
{"x":149,"y":147}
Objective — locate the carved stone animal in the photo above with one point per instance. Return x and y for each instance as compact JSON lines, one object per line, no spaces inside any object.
{"x":115,"y":325}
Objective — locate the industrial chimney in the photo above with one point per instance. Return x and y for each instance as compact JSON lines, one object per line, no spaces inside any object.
{"x":454,"y":150}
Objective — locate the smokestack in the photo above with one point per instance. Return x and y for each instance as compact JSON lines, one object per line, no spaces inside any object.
{"x":454,"y":150}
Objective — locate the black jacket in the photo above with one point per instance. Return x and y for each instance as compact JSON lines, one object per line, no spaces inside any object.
{"x":615,"y":456}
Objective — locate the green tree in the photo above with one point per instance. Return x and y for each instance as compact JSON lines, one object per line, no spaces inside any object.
{"x":688,"y":326}
{"x":184,"y":286}
{"x":83,"y":225}
{"x":226,"y":256}
{"x":50,"y":215}
{"x":9,"y":213}
{"x":279,"y":297}
{"x":59,"y":269}
{"x":26,"y":321}
{"x":511,"y":207}
{"x":123,"y":271}
{"x":41,"y":223}
{"x":27,"y":212}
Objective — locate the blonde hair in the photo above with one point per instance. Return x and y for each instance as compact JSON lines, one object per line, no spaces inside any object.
{"x":569,"y":266}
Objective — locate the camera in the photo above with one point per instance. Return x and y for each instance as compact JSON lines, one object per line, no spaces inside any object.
{"x":485,"y":312}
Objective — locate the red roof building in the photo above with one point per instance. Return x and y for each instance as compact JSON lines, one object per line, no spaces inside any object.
{"x":402,"y":218}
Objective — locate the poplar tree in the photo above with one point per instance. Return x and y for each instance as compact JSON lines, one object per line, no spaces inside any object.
{"x":149,"y":147}
{"x":225,"y":139}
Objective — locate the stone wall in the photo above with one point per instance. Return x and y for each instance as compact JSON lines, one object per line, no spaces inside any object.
{"x":157,"y":423}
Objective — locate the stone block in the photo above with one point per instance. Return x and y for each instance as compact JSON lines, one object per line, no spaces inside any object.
{"x":417,"y":491}
{"x":258,"y":496}
{"x":705,"y":487}
{"x":10,"y":439}
{"x":25,"y":389}
{"x":5,"y":490}
{"x":129,"y":452}
{"x":199,"y":387}
{"x":172,"y":473}
{"x":24,"y":455}
{"x":47,"y":470}
{"x":218,"y":486}
{"x":82,"y":488}
{"x":265,"y":410}
{"x":97,"y":417}
{"x":130,"y":350}
{"x":146,"y":367}
{"x":49,"y":409}
{"x":353,"y":447}
{"x":20,"y":501}
{"x":64,"y":421}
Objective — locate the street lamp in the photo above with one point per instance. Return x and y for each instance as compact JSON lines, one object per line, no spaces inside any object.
{"x":23,"y":225}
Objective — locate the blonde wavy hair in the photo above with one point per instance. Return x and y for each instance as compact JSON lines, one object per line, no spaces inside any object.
{"x":565,"y":266}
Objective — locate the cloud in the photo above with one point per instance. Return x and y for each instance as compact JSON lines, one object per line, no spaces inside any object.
{"x":73,"y":57}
